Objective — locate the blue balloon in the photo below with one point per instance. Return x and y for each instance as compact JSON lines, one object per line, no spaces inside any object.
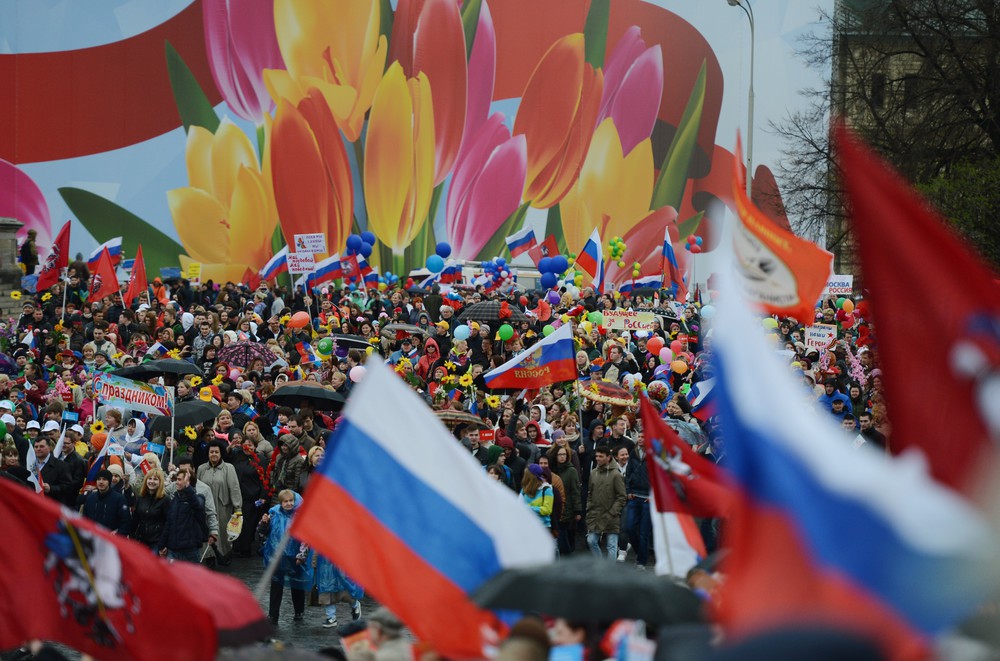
{"x":707,"y":312}
{"x":545,"y":265}
{"x":368,"y":237}
{"x":366,"y":249}
{"x":388,"y":274}
{"x":443,"y":250}
{"x":435,"y":264}
{"x":352,"y":286}
{"x":549,"y":280}
{"x":354,"y":242}
{"x":559,"y":264}
{"x":462,"y":332}
{"x":501,"y":261}
{"x":698,"y":240}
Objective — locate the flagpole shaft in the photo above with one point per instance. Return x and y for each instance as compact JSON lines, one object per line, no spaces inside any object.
{"x":62,"y":316}
{"x":272,"y":566}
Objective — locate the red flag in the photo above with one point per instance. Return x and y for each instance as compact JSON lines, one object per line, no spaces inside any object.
{"x":103,"y":281}
{"x":547,"y":248}
{"x":910,"y":257}
{"x":350,"y":268}
{"x":681,"y":479}
{"x":775,"y":269}
{"x":137,"y":282}
{"x":108,"y":596}
{"x":251,"y":279}
{"x":57,"y":260}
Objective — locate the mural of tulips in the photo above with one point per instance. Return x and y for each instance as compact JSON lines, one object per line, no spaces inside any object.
{"x":22,"y":200}
{"x":226,"y":216}
{"x":633,"y":85}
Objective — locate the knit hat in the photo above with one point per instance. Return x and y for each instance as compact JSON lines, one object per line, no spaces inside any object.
{"x":115,"y":469}
{"x":98,"y":440}
{"x":536,"y":470}
{"x":104,"y":474}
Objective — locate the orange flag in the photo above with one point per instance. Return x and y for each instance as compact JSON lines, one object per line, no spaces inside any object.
{"x":775,"y":269}
{"x":137,"y":280}
{"x":103,"y":281}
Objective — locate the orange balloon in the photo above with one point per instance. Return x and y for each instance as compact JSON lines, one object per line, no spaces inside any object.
{"x":299,"y":320}
{"x":679,"y":366}
{"x":848,"y":307}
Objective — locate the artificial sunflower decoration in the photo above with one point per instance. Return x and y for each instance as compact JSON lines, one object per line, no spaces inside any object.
{"x":448,"y":379}
{"x":375,"y":341}
{"x":195,"y":381}
{"x":595,"y":388}
{"x":16,"y":295}
{"x":190,"y":432}
{"x":46,"y":297}
{"x":450,"y":366}
{"x":465,"y":381}
{"x":97,"y":427}
{"x":58,"y":327}
{"x":493,"y":401}
{"x":174,"y":353}
{"x":217,"y":380}
{"x":285,"y":319}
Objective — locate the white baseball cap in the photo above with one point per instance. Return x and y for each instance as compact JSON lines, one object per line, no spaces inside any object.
{"x":77,"y":428}
{"x":33,"y":424}
{"x":51,"y":425}
{"x":8,"y":419}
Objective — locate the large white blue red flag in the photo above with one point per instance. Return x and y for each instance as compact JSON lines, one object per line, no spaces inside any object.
{"x":276,"y":265}
{"x":429,"y":530}
{"x":591,"y":258}
{"x":829,"y":533}
{"x":325,"y":271}
{"x":521,"y":242}
{"x":550,"y":361}
{"x":114,"y":247}
{"x":671,"y":269}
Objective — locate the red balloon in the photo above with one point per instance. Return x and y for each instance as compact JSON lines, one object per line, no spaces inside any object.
{"x":677,"y":346}
{"x":692,"y":238}
{"x":299,"y":320}
{"x":654,"y":344}
{"x":524,"y":300}
{"x":696,"y":249}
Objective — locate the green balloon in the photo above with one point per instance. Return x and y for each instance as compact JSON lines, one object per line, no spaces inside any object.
{"x":840,"y":302}
{"x":3,"y":429}
{"x":325,"y":346}
{"x":548,"y":330}
{"x":595,"y":318}
{"x":505,"y":332}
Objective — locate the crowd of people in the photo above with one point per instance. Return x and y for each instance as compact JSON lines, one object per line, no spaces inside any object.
{"x":230,"y":486}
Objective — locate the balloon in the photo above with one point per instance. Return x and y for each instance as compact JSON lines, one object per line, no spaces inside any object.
{"x":696,"y":249}
{"x":299,"y":320}
{"x":435,"y":264}
{"x":354,"y":242}
{"x":553,"y":297}
{"x":677,"y":346}
{"x":698,"y":240}
{"x":587,"y":327}
{"x":621,"y":264}
{"x":234,"y":374}
{"x":549,"y":280}
{"x":769,"y":323}
{"x":548,"y":329}
{"x":382,"y":286}
{"x":596,"y":318}
{"x":463,"y":332}
{"x":849,"y":321}
{"x":679,"y":366}
{"x":523,"y":300}
{"x":687,"y":246}
{"x":545,"y":265}
{"x":691,"y":239}
{"x":443,"y":249}
{"x":665,"y":355}
{"x":840,"y":302}
{"x":324,"y":347}
{"x":357,"y":373}
{"x":707,"y":312}
{"x":848,"y":306}
{"x":505,"y":332}
{"x":366,"y":249}
{"x":368,"y":237}
{"x":654,"y":344}
{"x":560,"y":264}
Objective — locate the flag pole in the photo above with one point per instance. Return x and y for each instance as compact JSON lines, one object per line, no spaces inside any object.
{"x":62,"y":317}
{"x":272,"y":566}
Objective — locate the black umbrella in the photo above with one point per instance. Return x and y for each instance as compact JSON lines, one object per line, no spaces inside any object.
{"x":295,"y":393}
{"x":593,"y":590}
{"x":162,"y":367}
{"x":345,"y":342}
{"x":187,"y":414}
{"x":489,"y":311}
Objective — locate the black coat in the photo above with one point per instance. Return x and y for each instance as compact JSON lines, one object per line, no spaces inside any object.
{"x":149,"y":519}
{"x":56,"y":475}
{"x":251,"y":488}
{"x":185,"y":527}
{"x":77,"y":468}
{"x":108,"y":509}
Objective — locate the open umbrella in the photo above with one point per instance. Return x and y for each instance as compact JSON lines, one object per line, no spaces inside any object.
{"x":242,"y":354}
{"x":607,"y":392}
{"x":345,"y":342}
{"x":163,"y":367}
{"x":495,"y":312}
{"x":295,"y":393}
{"x":187,"y":414}
{"x":452,"y":418}
{"x":393,"y":330}
{"x":592,"y":590}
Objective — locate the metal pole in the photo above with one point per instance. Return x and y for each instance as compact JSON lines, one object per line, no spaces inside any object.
{"x":748,"y":10}
{"x":272,"y":566}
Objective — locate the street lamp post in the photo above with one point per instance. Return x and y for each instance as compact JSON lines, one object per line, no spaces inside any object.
{"x":748,"y":10}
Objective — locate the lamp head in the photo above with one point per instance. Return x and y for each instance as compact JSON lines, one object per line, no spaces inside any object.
{"x":733,"y":3}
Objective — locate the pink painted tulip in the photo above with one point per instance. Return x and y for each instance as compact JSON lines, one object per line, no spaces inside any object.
{"x":21,"y":199}
{"x":485,"y":188}
{"x":241,"y":43}
{"x":482,"y":76}
{"x":633,"y":85}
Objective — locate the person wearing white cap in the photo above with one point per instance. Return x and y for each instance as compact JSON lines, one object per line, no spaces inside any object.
{"x":31,"y":430}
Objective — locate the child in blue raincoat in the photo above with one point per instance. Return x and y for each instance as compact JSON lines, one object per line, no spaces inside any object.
{"x":295,"y":567}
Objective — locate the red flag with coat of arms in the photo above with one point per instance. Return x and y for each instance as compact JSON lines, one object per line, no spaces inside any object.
{"x":104,"y":280}
{"x":57,"y":260}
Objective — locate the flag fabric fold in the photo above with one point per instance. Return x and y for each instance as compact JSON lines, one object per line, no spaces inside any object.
{"x":114,"y":248}
{"x":909,"y":256}
{"x":591,"y":258}
{"x":276,"y":265}
{"x":430,"y":530}
{"x":57,"y":260}
{"x":521,"y":242}
{"x":671,"y":269}
{"x":551,"y":360}
{"x":104,"y":279}
{"x":325,"y":271}
{"x":137,"y":282}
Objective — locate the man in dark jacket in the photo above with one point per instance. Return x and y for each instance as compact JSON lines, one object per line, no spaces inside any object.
{"x":605,"y":503}
{"x":638,"y":522}
{"x":106,"y":506}
{"x":76,"y":465}
{"x":54,"y":477}
{"x":186,"y":528}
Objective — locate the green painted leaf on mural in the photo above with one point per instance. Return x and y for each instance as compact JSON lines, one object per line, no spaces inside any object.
{"x":192,"y":103}
{"x":595,"y":32}
{"x":669,"y":189}
{"x":470,"y":21}
{"x":690,"y":226}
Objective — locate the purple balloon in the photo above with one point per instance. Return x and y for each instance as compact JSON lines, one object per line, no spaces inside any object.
{"x":553,"y":297}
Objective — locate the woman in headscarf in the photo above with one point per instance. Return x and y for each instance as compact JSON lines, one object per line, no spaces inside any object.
{"x":135,"y":440}
{"x":225,"y":485}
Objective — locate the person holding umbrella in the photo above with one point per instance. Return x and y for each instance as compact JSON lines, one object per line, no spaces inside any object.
{"x":221,"y":479}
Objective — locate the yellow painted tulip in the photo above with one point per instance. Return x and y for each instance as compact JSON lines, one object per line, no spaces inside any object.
{"x":399,"y":158}
{"x":610,"y":184}
{"x":226,"y":217}
{"x":333,"y":47}
{"x":557,"y":116}
{"x":311,"y":173}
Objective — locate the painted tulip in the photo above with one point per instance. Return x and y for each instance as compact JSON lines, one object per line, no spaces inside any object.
{"x":312,"y":176}
{"x":241,"y":43}
{"x":226,"y":217}
{"x":557,"y":116}
{"x":633,"y":84}
{"x":22,"y":200}
{"x":612,"y":192}
{"x":428,"y":38}
{"x":333,"y":47}
{"x":399,"y":158}
{"x":486,"y":187}
{"x":482,"y":77}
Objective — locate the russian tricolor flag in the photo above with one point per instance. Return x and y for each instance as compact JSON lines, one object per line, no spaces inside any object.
{"x":671,"y":270}
{"x":276,"y":265}
{"x":591,"y":258}
{"x":702,"y":400}
{"x":430,"y":530}
{"x":371,"y":277}
{"x":114,"y":247}
{"x":521,"y":242}
{"x":326,"y":271}
{"x":549,"y":361}
{"x":646,"y":281}
{"x":829,"y":533}
{"x":306,"y":353}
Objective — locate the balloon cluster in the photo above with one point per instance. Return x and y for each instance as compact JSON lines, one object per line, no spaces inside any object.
{"x":635,"y":270}
{"x":551,"y":268}
{"x":435,"y":262}
{"x":360,"y":244}
{"x":845,"y":312}
{"x":497,"y":271}
{"x":693,"y":244}
{"x":616,"y":247}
